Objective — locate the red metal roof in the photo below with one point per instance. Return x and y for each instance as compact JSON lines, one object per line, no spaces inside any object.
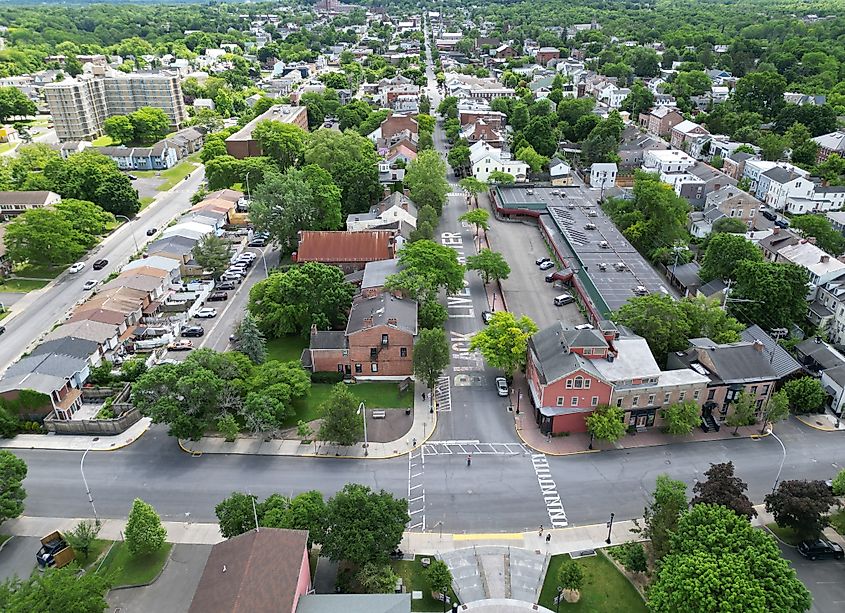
{"x":365,"y":246}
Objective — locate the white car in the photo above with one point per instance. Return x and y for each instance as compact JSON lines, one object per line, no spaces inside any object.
{"x":206,"y":313}
{"x":90,"y":284}
{"x":76,"y":267}
{"x":547,"y":265}
{"x":501,"y":386}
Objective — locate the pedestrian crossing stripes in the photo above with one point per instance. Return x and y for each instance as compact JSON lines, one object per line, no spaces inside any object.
{"x":457,"y":194}
{"x":557,"y":515}
{"x":443,"y":394}
{"x":416,"y":490}
{"x":446,"y":448}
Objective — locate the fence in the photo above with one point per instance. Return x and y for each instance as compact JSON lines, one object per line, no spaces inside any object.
{"x":126,"y":414}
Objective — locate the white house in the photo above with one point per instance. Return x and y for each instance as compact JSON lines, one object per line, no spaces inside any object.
{"x":603,"y":175}
{"x":662,"y":161}
{"x":395,"y":208}
{"x":486,"y":159}
{"x":777,"y":185}
{"x":821,"y":266}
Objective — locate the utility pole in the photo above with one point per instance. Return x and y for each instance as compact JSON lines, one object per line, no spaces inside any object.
{"x":728,"y":299}
{"x":777,"y":334}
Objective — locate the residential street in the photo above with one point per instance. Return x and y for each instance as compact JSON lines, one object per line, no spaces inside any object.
{"x":35,"y":314}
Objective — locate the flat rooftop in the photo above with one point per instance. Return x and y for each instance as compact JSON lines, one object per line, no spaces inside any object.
{"x":568,"y":214}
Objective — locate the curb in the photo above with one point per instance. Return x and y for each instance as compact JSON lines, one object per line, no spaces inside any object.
{"x":3,"y":544}
{"x":115,"y":448}
{"x":154,"y":579}
{"x":777,"y":538}
{"x":819,"y":428}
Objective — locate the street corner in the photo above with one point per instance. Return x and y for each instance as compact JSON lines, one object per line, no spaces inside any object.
{"x":823,"y":422}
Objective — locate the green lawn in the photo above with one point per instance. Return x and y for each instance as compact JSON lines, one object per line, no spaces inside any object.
{"x":33,"y":271}
{"x":21,"y":285}
{"x":123,"y":569}
{"x":605,"y":590}
{"x":146,"y":201}
{"x":837,"y":521}
{"x":4,"y":538}
{"x":103,"y":141}
{"x":98,"y":548}
{"x":413,"y":576}
{"x":787,"y":535}
{"x":286,"y":349}
{"x":171,"y":176}
{"x":376,"y":395}
{"x":4,"y":147}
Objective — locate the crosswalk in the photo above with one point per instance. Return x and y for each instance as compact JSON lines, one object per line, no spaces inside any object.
{"x":447,"y":448}
{"x":443,"y":394}
{"x":462,"y":194}
{"x":416,"y":490}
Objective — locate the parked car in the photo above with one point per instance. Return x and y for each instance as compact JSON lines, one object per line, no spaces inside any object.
{"x":76,"y":267}
{"x":206,"y":313}
{"x":782,"y":223}
{"x":550,"y":278}
{"x":584,"y":327}
{"x":100,"y":264}
{"x":820,"y":548}
{"x":257,"y":242}
{"x":132,"y":177}
{"x":218,"y":296}
{"x":502,"y":386}
{"x":227,"y":285}
{"x":231,"y":277}
{"x":2,"y":329}
{"x":194,"y":331}
{"x":546,"y":265}
{"x":183,"y":345}
{"x":563,"y":299}
{"x":542,"y":260}
{"x":152,"y":231}
{"x":90,"y":284}
{"x":486,"y":317}
{"x":770,"y":215}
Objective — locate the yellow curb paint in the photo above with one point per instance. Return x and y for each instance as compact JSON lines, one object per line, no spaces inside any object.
{"x":492,"y":536}
{"x":815,"y":427}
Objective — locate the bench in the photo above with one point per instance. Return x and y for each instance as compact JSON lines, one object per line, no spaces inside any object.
{"x":379,"y":414}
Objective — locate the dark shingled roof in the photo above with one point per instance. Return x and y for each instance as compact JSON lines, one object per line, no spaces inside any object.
{"x":783,"y":363}
{"x":255,"y":572}
{"x":553,"y":360}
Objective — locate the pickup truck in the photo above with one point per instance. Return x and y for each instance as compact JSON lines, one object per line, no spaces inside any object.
{"x":54,"y":552}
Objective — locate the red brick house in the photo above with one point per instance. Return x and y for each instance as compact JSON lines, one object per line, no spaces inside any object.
{"x":348,"y":250}
{"x":565,"y":386}
{"x":546,"y":54}
{"x":661,"y":120}
{"x":378,"y":341}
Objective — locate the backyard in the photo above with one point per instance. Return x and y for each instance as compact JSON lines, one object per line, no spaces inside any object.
{"x":605,"y":589}
{"x":414,"y":579}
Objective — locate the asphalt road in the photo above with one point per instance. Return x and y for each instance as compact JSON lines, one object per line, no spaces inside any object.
{"x":822,"y":577}
{"x":34,"y":315}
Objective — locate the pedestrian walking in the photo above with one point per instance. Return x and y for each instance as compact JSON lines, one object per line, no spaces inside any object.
{"x":541,"y":529}
{"x":548,"y":538}
{"x":423,"y":395}
{"x":414,"y":444}
{"x":469,"y":461}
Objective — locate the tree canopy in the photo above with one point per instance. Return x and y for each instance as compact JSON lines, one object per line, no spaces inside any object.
{"x":504,"y":342}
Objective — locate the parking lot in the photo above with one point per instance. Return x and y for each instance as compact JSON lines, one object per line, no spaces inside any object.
{"x":526,"y":290}
{"x":824,"y":579}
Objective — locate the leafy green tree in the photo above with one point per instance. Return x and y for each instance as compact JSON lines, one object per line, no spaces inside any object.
{"x":478,"y":218}
{"x":504,"y":342}
{"x":439,"y":578}
{"x":431,"y":356}
{"x":341,"y":423}
{"x":282,"y":142}
{"x":723,"y":488}
{"x":377,"y":578}
{"x":776,"y":291}
{"x":818,"y":226}
{"x":819,"y":119}
{"x":806,"y":395}
{"x":435,"y":266}
{"x":149,"y":124}
{"x":681,"y":417}
{"x":82,"y":537}
{"x":497,"y":177}
{"x":86,"y":217}
{"x":761,"y":92}
{"x":717,"y":557}
{"x":212,"y":253}
{"x":491,"y":265}
{"x":691,"y":83}
{"x":832,"y":169}
{"x":458,"y":157}
{"x":235,"y":514}
{"x":292,"y":301}
{"x":214,"y":146}
{"x":363,"y":526}
{"x":728,"y":225}
{"x":12,"y":494}
{"x":306,"y":511}
{"x":570,"y":576}
{"x":802,"y":506}
{"x":632,"y":556}
{"x":56,"y":589}
{"x":775,"y":409}
{"x":606,"y":423}
{"x":473,"y":187}
{"x":43,"y":236}
{"x":425,"y":177}
{"x":120,"y":129}
{"x":250,"y":341}
{"x":14,"y":103}
{"x":660,"y":517}
{"x":144,"y":532}
{"x":228,"y":426}
{"x":116,"y":195}
{"x":640,"y":100}
{"x":773,"y":146}
{"x":744,"y":412}
{"x":839,"y":483}
{"x":263,"y":413}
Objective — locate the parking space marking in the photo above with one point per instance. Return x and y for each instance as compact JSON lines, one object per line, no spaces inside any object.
{"x":443,"y":394}
{"x":416,"y":490}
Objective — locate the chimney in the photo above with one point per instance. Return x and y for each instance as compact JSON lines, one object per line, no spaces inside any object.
{"x":758,"y":346}
{"x":775,"y":231}
{"x":313,"y":329}
{"x":391,"y":321}
{"x":368,"y":322}
{"x":824,"y":259}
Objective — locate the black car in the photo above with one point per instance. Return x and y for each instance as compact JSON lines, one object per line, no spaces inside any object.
{"x":2,"y":329}
{"x":226,"y":285}
{"x":99,"y":264}
{"x":132,"y":177}
{"x":486,"y":317}
{"x":152,"y":231}
{"x":192,"y":331}
{"x":820,"y":548}
{"x":769,"y":215}
{"x":218,"y":296}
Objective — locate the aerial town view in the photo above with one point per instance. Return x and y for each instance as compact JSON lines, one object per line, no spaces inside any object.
{"x":381,"y":306}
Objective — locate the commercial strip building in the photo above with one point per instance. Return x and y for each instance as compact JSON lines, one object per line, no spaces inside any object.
{"x":80,"y":106}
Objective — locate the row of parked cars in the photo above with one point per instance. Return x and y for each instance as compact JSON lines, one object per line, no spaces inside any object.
{"x":546,"y":263}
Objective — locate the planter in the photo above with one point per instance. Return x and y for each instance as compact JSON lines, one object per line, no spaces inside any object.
{"x":571,"y":596}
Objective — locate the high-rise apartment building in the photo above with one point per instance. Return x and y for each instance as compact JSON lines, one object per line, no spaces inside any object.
{"x":80,"y":106}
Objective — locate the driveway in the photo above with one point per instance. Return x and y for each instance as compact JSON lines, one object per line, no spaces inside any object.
{"x":822,"y":577}
{"x":526,"y":291}
{"x":146,"y":186}
{"x":174,"y":589}
{"x":18,"y":557}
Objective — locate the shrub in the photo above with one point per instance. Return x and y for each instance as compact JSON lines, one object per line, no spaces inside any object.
{"x":326,"y":377}
{"x":839,"y":483}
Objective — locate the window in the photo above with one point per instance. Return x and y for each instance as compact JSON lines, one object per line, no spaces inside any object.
{"x":696,"y":394}
{"x":574,"y":401}
{"x":384,"y":339}
{"x":588,"y":351}
{"x":618,"y":402}
{"x":667,"y":397}
{"x":651,"y":399}
{"x":340,"y":368}
{"x":753,"y":390}
{"x":403,"y":352}
{"x":635,"y":401}
{"x":711,"y":394}
{"x":766,"y":389}
{"x":733,"y":212}
{"x":374,"y":367}
{"x":569,"y":384}
{"x":358,"y":369}
{"x":373,"y":353}
{"x":595,"y":401}
{"x":579,"y":382}
{"x":751,"y":214}
{"x":560,"y":401}
{"x":587,"y":384}
{"x":759,"y":404}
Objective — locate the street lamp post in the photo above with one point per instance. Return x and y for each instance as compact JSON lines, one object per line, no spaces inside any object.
{"x":247,"y":186}
{"x":362,"y":409}
{"x":518,"y":398}
{"x":559,"y":598}
{"x":609,"y":528}
{"x":782,"y":460}
{"x":128,"y":222}
{"x":85,"y":481}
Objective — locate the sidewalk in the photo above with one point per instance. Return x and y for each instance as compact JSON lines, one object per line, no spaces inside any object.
{"x":421,"y":430}
{"x":826,"y":422}
{"x":112,"y":529}
{"x":579,"y":442}
{"x":70,"y":442}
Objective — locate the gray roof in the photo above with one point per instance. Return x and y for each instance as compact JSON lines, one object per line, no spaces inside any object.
{"x":328,"y":339}
{"x":86,"y":329}
{"x":819,"y":352}
{"x":712,"y":287}
{"x":553,"y":360}
{"x":383,"y":308}
{"x":68,"y":345}
{"x":783,"y":363}
{"x":375,"y":273}
{"x":53,"y":364}
{"x":354,"y":603}
{"x":687,"y":274}
{"x":781,"y":175}
{"x":172,"y":244}
{"x":33,"y":197}
{"x":741,"y":156}
{"x":395,"y":199}
{"x":46,"y":384}
{"x":837,"y":373}
{"x":708,"y":173}
{"x":734,"y":363}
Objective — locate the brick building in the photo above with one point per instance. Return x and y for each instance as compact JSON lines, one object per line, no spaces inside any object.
{"x":661,"y":120}
{"x":348,"y":250}
{"x":242,"y":145}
